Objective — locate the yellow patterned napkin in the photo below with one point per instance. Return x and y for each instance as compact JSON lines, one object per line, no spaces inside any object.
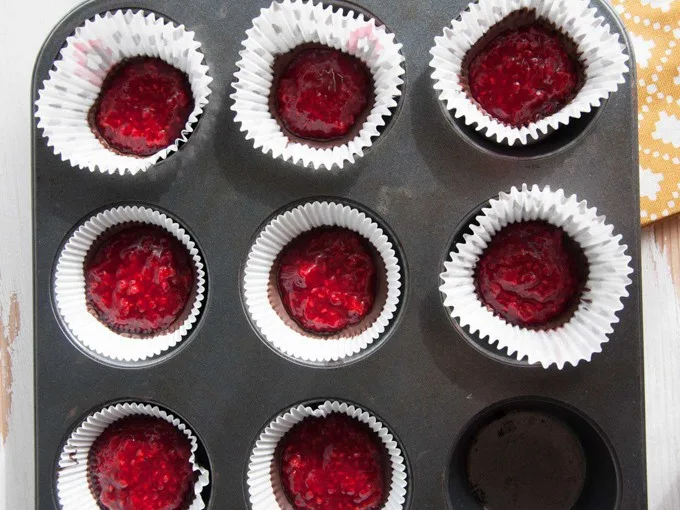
{"x":654,"y":27}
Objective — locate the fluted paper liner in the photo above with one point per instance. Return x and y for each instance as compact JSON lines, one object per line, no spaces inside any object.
{"x":260,"y":263}
{"x":70,"y":294}
{"x":265,"y":490}
{"x":608,"y":276}
{"x":287,"y":24}
{"x":601,"y":53}
{"x":87,"y":57}
{"x":73,"y":484}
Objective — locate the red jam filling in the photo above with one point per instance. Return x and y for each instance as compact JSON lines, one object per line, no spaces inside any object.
{"x":141,"y":463}
{"x":333,"y":463}
{"x":322,"y":93}
{"x":530,"y":273}
{"x":524,"y":75}
{"x":139,"y":280}
{"x":327,"y":279}
{"x":143,"y":106}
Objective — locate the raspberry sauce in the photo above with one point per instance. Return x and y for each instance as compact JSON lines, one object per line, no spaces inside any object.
{"x":524,"y":75}
{"x":143,"y":106}
{"x":139,"y":280}
{"x":531,"y":273}
{"x":322,"y":93}
{"x":327,"y":279}
{"x":141,"y":463}
{"x":332,"y":463}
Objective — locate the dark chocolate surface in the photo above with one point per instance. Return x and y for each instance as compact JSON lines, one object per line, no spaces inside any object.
{"x":526,"y":460}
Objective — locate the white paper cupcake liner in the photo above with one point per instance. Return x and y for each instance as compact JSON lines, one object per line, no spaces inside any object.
{"x":264,"y":484}
{"x":288,"y":24}
{"x":75,"y":82}
{"x":73,"y":487}
{"x":70,"y":294}
{"x":260,"y":263}
{"x":602,"y":54}
{"x":608,"y":276}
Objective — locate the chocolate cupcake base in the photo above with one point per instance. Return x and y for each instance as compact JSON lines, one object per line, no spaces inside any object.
{"x":310,"y":25}
{"x":265,"y":488}
{"x":74,"y":486}
{"x":70,"y":295}
{"x":566,"y":341}
{"x":601,"y":72}
{"x":68,"y":95}
{"x":519,"y":20}
{"x":262,"y":299}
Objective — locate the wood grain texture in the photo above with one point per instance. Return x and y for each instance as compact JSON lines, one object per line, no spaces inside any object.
{"x":667,"y":235}
{"x":10,"y":326}
{"x":23,"y":27}
{"x":661,"y":309}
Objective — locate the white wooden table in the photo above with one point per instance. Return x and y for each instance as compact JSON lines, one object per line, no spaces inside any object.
{"x":23,"y":27}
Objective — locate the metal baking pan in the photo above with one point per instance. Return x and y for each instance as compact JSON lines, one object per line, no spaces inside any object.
{"x":427,"y":381}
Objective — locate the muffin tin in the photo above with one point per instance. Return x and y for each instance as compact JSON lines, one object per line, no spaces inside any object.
{"x":420,"y":179}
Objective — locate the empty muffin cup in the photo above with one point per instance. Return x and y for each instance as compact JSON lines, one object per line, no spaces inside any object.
{"x":322,"y":282}
{"x":74,"y":486}
{"x":590,"y":61}
{"x":353,"y":57}
{"x":514,"y":304}
{"x":100,"y":49}
{"x":267,"y":490}
{"x":533,"y":453}
{"x":84,"y":316}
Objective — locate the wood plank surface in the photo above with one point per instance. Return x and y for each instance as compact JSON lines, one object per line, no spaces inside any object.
{"x":667,"y":236}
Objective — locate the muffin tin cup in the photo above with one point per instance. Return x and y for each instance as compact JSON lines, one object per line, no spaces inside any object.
{"x":608,"y":276}
{"x":288,"y":24}
{"x":600,"y":487}
{"x":73,"y":485}
{"x":85,"y":60}
{"x":598,"y":47}
{"x":265,"y":490}
{"x":418,"y":180}
{"x":70,"y":294}
{"x":269,"y":319}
